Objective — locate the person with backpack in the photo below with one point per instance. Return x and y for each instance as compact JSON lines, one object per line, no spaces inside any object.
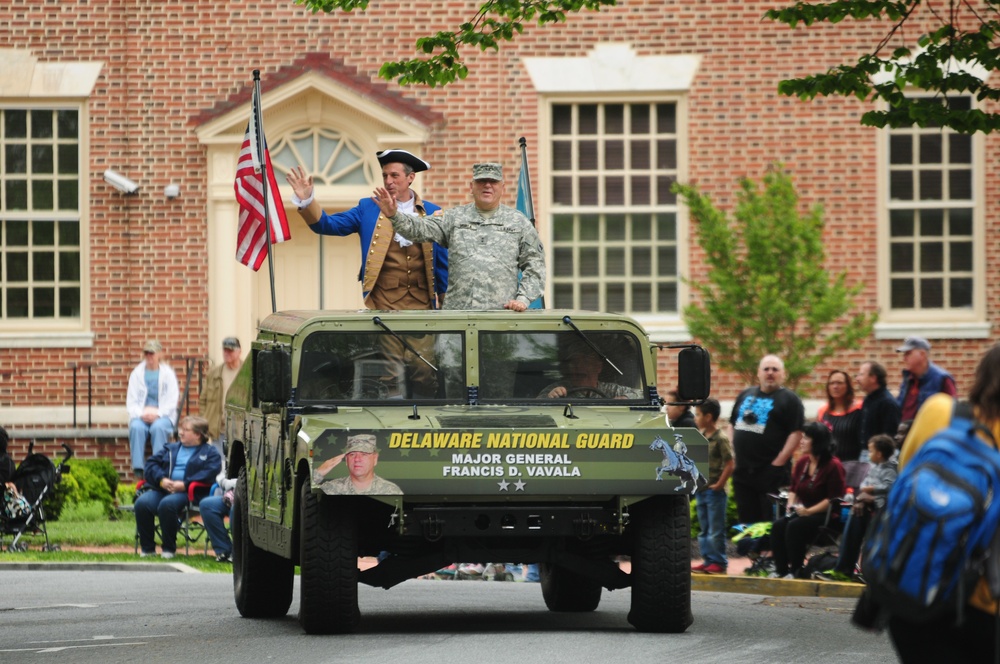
{"x":817,"y":481}
{"x":961,"y":633}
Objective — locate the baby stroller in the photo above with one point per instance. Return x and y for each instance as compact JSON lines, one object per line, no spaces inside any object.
{"x":34,"y":478}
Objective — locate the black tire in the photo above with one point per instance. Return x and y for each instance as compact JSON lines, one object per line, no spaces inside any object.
{"x":661,"y":565}
{"x":567,"y":591}
{"x":262,"y":581}
{"x":328,"y":566}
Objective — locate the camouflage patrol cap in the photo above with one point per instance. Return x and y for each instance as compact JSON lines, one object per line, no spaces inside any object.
{"x":487,"y":171}
{"x":362,"y":442}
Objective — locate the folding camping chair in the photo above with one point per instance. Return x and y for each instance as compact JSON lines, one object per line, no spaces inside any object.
{"x":188,"y":527}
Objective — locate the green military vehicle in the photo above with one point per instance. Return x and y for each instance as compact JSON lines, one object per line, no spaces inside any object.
{"x":424,"y":438}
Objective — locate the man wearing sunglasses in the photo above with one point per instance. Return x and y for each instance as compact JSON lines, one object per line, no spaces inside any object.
{"x":765,"y":427}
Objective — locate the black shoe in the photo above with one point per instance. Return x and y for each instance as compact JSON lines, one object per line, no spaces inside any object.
{"x":224,"y":558}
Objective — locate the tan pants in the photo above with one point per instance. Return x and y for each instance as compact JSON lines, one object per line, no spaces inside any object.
{"x":408,"y":375}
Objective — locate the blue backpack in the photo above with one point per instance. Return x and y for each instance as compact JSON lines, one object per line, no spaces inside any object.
{"x":927,"y":548}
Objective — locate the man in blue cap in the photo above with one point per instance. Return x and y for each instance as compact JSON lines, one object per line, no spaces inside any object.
{"x":921,"y":377}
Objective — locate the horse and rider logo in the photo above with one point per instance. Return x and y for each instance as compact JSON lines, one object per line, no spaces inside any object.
{"x":676,"y":463}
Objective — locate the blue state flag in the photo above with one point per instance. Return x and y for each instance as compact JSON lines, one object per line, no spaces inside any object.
{"x":525,"y":207}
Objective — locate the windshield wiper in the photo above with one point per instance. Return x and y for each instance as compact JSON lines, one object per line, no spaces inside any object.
{"x":406,"y":344}
{"x":569,"y":321}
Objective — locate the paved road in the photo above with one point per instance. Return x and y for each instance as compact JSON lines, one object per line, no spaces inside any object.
{"x":156,"y":616}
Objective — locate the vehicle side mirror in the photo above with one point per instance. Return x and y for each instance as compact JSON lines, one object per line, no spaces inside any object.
{"x":694,"y":374}
{"x":273,"y":375}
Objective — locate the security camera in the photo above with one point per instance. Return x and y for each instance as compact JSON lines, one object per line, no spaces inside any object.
{"x":120,"y":182}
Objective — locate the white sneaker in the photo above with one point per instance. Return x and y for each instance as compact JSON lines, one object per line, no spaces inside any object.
{"x":147,"y":554}
{"x":167,"y":555}
{"x":774,"y":575}
{"x":789,"y":576}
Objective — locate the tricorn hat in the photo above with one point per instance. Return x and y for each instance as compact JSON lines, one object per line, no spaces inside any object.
{"x":396,"y":156}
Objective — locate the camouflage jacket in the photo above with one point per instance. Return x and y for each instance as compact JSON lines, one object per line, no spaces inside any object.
{"x":343,"y":486}
{"x":485,"y":255}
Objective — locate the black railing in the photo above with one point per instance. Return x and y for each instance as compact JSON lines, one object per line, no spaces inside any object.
{"x":192,"y":366}
{"x":185,"y":402}
{"x":90,"y":391}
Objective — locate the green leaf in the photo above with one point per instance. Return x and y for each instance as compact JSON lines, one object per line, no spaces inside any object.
{"x":964,"y":34}
{"x":495,"y":22}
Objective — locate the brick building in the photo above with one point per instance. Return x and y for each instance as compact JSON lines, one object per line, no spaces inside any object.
{"x":615,"y":106}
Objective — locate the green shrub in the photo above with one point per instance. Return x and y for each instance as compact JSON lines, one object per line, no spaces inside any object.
{"x":125,"y":494}
{"x":91,"y":480}
{"x":56,"y":500}
{"x":106,"y":470}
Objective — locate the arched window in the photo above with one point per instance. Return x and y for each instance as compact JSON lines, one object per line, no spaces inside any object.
{"x":329,"y":156}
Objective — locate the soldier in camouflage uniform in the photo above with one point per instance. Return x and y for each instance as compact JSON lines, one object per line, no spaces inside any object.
{"x":361,"y":454}
{"x":488,"y":245}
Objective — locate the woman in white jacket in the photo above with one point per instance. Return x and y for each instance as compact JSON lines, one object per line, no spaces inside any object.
{"x":152,"y":404}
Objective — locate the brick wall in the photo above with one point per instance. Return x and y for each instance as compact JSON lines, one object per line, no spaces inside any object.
{"x":169,"y":62}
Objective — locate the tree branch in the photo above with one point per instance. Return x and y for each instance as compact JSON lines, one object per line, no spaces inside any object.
{"x":495,"y":21}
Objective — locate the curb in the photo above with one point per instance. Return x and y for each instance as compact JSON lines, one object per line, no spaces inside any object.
{"x":755,"y":585}
{"x":717,"y":583}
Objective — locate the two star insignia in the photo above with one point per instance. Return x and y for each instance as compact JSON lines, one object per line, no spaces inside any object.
{"x":518,"y":485}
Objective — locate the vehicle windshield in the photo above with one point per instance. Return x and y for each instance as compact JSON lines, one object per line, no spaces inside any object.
{"x":377,"y":366}
{"x":517,"y":366}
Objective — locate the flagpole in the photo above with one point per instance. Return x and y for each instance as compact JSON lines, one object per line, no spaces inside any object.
{"x":529,"y":205}
{"x":258,"y":122}
{"x":527,"y":182}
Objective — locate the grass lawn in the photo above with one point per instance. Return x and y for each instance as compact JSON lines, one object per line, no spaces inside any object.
{"x":83,"y":528}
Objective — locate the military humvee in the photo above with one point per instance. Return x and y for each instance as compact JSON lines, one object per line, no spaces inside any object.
{"x":425,"y":438}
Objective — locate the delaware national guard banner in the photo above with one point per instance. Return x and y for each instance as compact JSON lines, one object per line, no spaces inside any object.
{"x":521,"y":462}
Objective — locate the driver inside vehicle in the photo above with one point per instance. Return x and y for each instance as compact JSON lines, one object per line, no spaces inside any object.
{"x":581,"y":377}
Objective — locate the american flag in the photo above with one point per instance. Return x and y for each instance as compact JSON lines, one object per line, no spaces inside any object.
{"x":251,"y":238}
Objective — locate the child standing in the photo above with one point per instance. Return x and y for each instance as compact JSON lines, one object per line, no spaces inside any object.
{"x":711,"y":501}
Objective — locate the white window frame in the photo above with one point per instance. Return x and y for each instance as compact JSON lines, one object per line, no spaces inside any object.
{"x":672,"y":319}
{"x":954,"y":323}
{"x":29,"y":84}
{"x":612,"y":74}
{"x":56,"y":331}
